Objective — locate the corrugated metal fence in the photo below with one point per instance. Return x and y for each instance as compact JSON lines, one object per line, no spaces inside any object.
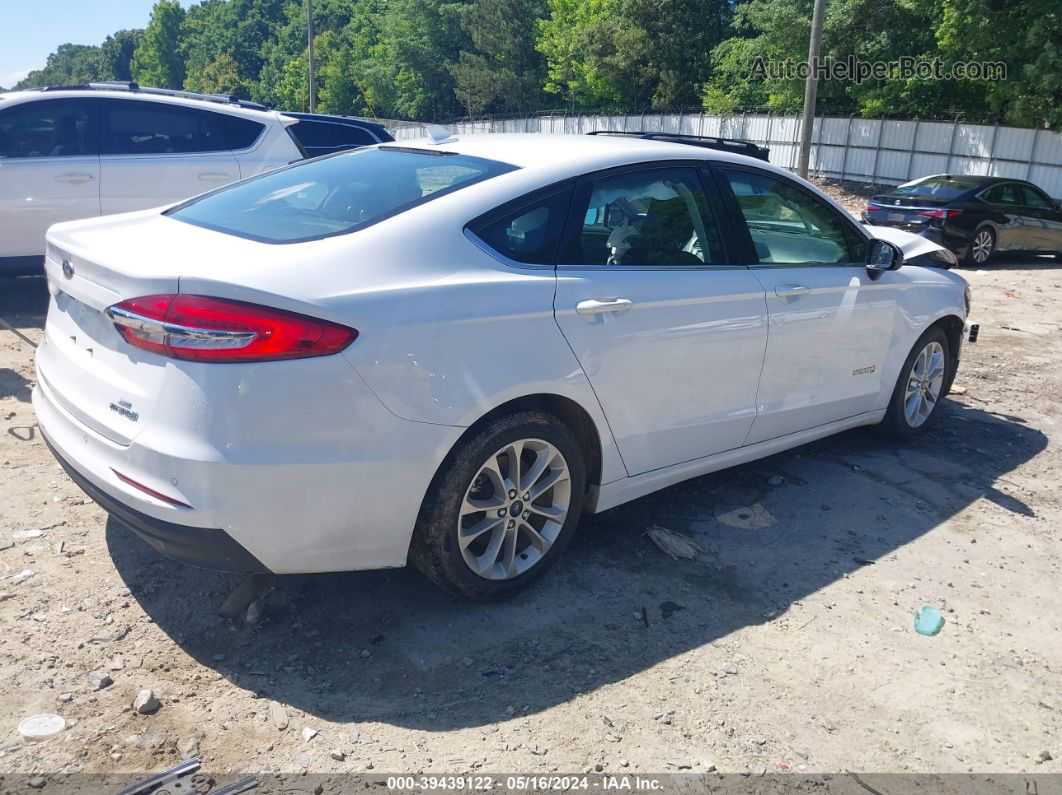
{"x":879,"y":151}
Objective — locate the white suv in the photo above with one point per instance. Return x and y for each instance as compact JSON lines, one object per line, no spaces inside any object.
{"x":69,"y":153}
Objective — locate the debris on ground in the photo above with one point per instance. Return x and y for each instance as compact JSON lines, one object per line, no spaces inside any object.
{"x":99,"y":680}
{"x":675,"y":545}
{"x":278,"y":715}
{"x":146,"y":702}
{"x":252,"y":586}
{"x":928,"y":620}
{"x":41,"y":727}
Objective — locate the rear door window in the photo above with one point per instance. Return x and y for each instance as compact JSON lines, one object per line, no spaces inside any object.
{"x":335,"y":195}
{"x":240,"y":133}
{"x":655,"y":217}
{"x":52,"y":128}
{"x":1003,"y":194}
{"x":152,"y":128}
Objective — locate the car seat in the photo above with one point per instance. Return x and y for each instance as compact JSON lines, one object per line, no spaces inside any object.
{"x":663,"y":233}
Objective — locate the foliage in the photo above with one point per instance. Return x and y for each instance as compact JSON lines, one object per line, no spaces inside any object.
{"x":437,"y":59}
{"x":158,"y":60}
{"x":76,"y":64}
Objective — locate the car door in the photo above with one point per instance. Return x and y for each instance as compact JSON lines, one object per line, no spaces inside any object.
{"x":155,"y":153}
{"x":831,"y":323}
{"x":49,"y":170}
{"x":1013,"y":230}
{"x":1049,"y":215}
{"x":669,"y":332}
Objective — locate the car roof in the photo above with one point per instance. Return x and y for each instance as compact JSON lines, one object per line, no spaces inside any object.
{"x":176,"y":98}
{"x":576,"y":154}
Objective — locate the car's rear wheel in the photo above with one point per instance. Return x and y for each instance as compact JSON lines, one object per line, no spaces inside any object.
{"x":502,"y":508}
{"x":982,"y":247}
{"x":921,"y":385}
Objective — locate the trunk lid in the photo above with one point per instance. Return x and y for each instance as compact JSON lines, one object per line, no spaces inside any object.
{"x":889,"y":200}
{"x":85,"y":366}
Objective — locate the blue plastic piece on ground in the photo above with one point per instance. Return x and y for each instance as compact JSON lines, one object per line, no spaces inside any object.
{"x":928,"y":620}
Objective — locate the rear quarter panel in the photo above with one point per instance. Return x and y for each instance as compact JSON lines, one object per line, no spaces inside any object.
{"x":446,"y":331}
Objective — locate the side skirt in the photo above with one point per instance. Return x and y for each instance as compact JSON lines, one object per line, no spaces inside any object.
{"x":610,"y":495}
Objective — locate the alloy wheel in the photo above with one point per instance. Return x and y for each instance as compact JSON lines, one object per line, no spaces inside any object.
{"x":982,"y":246}
{"x":924,"y":384}
{"x":514,"y":509}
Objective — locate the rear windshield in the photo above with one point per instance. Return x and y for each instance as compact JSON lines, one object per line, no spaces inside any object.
{"x":937,"y":188}
{"x":335,"y":195}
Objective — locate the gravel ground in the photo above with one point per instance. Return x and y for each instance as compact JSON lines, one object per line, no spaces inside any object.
{"x":787,"y":645}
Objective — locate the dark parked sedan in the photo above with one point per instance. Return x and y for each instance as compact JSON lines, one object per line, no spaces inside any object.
{"x":975,"y":217}
{"x":319,"y":134}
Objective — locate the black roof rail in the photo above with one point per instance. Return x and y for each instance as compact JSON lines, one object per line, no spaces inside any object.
{"x":734,"y":145}
{"x":129,"y":85}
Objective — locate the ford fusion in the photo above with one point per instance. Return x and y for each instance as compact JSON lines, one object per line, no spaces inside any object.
{"x":447,"y":352}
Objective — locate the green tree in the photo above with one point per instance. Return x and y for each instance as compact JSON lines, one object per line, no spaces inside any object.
{"x":70,"y":64}
{"x":777,"y":31}
{"x":116,"y":54}
{"x":1027,"y":36}
{"x":630,"y":54}
{"x":220,"y":76}
{"x":501,"y":71}
{"x":158,"y":60}
{"x":588,"y":45}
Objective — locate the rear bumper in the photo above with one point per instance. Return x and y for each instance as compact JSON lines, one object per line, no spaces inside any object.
{"x":334,"y":485}
{"x":955,"y":240}
{"x":203,"y":547}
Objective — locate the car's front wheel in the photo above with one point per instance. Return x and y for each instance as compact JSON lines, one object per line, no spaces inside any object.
{"x":502,"y":507}
{"x":921,"y":385}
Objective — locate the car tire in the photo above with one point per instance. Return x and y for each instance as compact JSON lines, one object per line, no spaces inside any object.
{"x":453,"y":540}
{"x":918,"y":391}
{"x":982,"y":247}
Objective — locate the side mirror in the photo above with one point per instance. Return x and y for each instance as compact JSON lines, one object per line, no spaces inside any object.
{"x":882,"y":256}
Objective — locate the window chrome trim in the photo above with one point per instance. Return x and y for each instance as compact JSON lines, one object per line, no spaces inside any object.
{"x":652,"y":268}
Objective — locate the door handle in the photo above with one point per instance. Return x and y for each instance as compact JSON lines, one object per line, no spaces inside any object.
{"x":791,"y":290}
{"x":74,"y":179}
{"x":594,"y":307}
{"x":215,"y":176}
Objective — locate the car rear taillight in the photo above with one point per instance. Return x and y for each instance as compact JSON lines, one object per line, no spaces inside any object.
{"x":871,"y":208}
{"x":203,"y":329}
{"x":940,"y":213}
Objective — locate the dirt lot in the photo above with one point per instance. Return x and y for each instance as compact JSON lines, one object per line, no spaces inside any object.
{"x":787,"y":646}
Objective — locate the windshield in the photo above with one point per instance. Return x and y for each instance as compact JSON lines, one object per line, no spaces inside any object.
{"x":936,"y":187}
{"x":335,"y":195}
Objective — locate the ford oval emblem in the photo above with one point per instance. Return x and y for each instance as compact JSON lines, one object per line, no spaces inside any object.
{"x":68,"y":269}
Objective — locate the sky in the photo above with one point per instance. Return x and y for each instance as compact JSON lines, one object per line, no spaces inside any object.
{"x":31,"y":30}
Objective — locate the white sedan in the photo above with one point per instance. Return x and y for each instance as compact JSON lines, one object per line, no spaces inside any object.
{"x":448,"y":351}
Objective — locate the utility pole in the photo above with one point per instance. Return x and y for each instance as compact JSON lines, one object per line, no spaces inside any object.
{"x":309,"y":49}
{"x":811,"y":87}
